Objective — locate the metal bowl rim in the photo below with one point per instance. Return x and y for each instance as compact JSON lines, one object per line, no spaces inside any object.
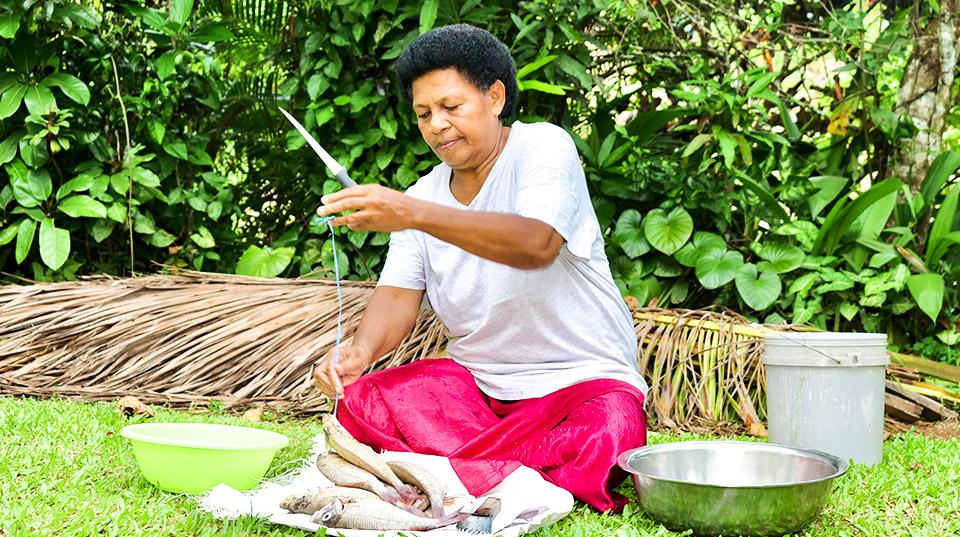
{"x":838,"y":463}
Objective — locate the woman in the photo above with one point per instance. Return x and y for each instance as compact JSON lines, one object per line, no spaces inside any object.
{"x":501,"y":240}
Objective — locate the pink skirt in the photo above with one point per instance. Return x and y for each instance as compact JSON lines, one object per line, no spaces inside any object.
{"x":572,"y":436}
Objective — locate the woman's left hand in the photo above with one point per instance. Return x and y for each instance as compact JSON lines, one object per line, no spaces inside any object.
{"x":376,"y":208}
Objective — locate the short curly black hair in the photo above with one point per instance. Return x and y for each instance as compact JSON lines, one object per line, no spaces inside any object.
{"x":475,"y":53}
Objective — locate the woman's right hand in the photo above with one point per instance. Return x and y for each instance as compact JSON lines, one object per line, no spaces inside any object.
{"x":331,"y":377}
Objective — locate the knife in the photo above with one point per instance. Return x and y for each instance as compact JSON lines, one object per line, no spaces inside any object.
{"x":335,"y":168}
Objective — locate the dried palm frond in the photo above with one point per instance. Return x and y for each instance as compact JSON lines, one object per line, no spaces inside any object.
{"x":199,"y":337}
{"x":192,"y":337}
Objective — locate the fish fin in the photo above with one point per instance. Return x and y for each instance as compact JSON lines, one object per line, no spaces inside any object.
{"x":408,"y":495}
{"x":436,"y":511}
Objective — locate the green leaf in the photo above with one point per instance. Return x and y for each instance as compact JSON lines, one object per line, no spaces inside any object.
{"x":782,"y":257}
{"x":927,"y":291}
{"x":940,"y":171}
{"x":828,"y":188}
{"x":264,"y":262}
{"x":428,"y":14}
{"x":161,"y":239}
{"x":214,"y":210}
{"x":760,"y":84}
{"x":30,"y":187}
{"x":70,"y":85}
{"x":11,"y":99}
{"x":203,"y":238}
{"x":544,"y":87}
{"x":180,"y":11}
{"x":629,"y":234}
{"x":757,"y":291}
{"x":145,"y":177}
{"x":166,"y":64}
{"x":54,"y":244}
{"x":101,"y":230}
{"x":702,"y":243}
{"x":9,"y":24}
{"x":576,"y":70}
{"x":177,"y":149}
{"x":212,"y":32}
{"x":157,"y":129}
{"x":535,"y":65}
{"x":697,"y":142}
{"x":728,"y":147}
{"x":82,"y":205}
{"x":768,"y":200}
{"x":668,"y":232}
{"x":848,"y":310}
{"x":25,"y":233}
{"x":78,"y":184}
{"x":39,"y":100}
{"x":942,"y":226}
{"x":120,"y":182}
{"x":842,"y":216}
{"x":8,"y":148}
{"x":8,"y":234}
{"x":718,"y":267}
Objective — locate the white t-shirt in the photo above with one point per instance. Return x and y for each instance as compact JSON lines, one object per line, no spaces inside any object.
{"x":523,"y":333}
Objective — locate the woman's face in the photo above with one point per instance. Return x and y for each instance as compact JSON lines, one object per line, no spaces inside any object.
{"x":458,"y":121}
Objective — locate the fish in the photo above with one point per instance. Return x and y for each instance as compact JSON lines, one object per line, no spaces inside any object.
{"x":377,"y":515}
{"x":312,"y":500}
{"x":363,"y":456}
{"x":342,"y":473}
{"x":415,"y":474}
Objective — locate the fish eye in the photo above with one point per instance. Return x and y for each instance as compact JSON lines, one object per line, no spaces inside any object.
{"x":326,"y":516}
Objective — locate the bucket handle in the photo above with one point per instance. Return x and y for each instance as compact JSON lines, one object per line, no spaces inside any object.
{"x":854,"y":356}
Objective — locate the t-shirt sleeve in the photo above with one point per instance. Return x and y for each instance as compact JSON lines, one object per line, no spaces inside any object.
{"x":404,"y":265}
{"x":553,"y":189}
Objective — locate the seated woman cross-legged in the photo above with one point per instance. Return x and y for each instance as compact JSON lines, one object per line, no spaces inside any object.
{"x":501,"y":241}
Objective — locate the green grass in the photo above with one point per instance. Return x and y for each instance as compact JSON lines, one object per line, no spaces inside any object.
{"x":64,"y":470}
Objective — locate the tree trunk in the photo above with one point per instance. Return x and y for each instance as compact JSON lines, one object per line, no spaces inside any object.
{"x":926,"y":93}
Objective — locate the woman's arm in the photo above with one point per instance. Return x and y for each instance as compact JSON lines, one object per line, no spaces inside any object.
{"x":519,"y":242}
{"x":388,"y":318}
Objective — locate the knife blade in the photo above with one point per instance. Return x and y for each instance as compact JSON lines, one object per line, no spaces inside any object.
{"x":335,"y":167}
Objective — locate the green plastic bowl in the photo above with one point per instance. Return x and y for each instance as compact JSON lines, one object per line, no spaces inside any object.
{"x":195,"y":457}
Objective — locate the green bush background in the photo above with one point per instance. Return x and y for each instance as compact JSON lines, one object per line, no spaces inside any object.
{"x":721,"y":170}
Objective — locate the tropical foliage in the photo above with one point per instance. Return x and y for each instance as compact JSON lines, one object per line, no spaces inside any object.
{"x":739,"y":153}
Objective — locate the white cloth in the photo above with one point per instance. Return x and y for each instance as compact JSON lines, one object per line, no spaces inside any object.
{"x":524,"y":489}
{"x":524,"y":333}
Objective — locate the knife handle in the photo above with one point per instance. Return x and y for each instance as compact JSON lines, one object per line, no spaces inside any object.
{"x":345,"y":179}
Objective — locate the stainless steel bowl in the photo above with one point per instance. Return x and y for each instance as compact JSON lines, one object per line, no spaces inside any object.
{"x":731,"y":488}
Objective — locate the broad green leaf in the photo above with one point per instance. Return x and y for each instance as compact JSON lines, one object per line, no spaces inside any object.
{"x":940,"y":171}
{"x":203,"y":238}
{"x":702,"y":243}
{"x":944,"y":244}
{"x":544,"y":87}
{"x":765,"y":196}
{"x":157,"y":129}
{"x":212,"y":32}
{"x":8,"y":234}
{"x":9,"y":24}
{"x":326,"y":258}
{"x":39,"y":100}
{"x":875,"y":218}
{"x":120,"y":182}
{"x":70,"y":85}
{"x":25,"y":232}
{"x":54,"y":244}
{"x":81,"y":205}
{"x":667,"y":232}
{"x":30,"y":187}
{"x":848,"y":310}
{"x":79,"y":183}
{"x":144,"y":223}
{"x":214,"y":210}
{"x":145,"y":177}
{"x":718,"y":267}
{"x":535,"y":65}
{"x":697,"y":142}
{"x":629,"y":234}
{"x":161,"y":239}
{"x":843,"y":215}
{"x":8,"y":148}
{"x":761,"y":84}
{"x":428,"y":14}
{"x":927,"y":291}
{"x":828,"y":188}
{"x":782,"y":257}
{"x":177,"y":149}
{"x":265,"y":262}
{"x":180,"y":11}
{"x":728,"y":147}
{"x":576,"y":70}
{"x":166,"y":63}
{"x":758,"y":291}
{"x":11,"y":99}
{"x":101,"y":229}
{"x":942,"y":226}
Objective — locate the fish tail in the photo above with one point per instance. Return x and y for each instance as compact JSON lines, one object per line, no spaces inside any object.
{"x":407,"y":494}
{"x":436,"y":511}
{"x":390,"y":496}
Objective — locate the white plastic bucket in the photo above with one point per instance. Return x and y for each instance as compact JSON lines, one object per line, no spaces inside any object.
{"x":825,"y":391}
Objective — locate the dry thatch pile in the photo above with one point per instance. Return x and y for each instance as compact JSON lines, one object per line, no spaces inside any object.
{"x":197,"y":337}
